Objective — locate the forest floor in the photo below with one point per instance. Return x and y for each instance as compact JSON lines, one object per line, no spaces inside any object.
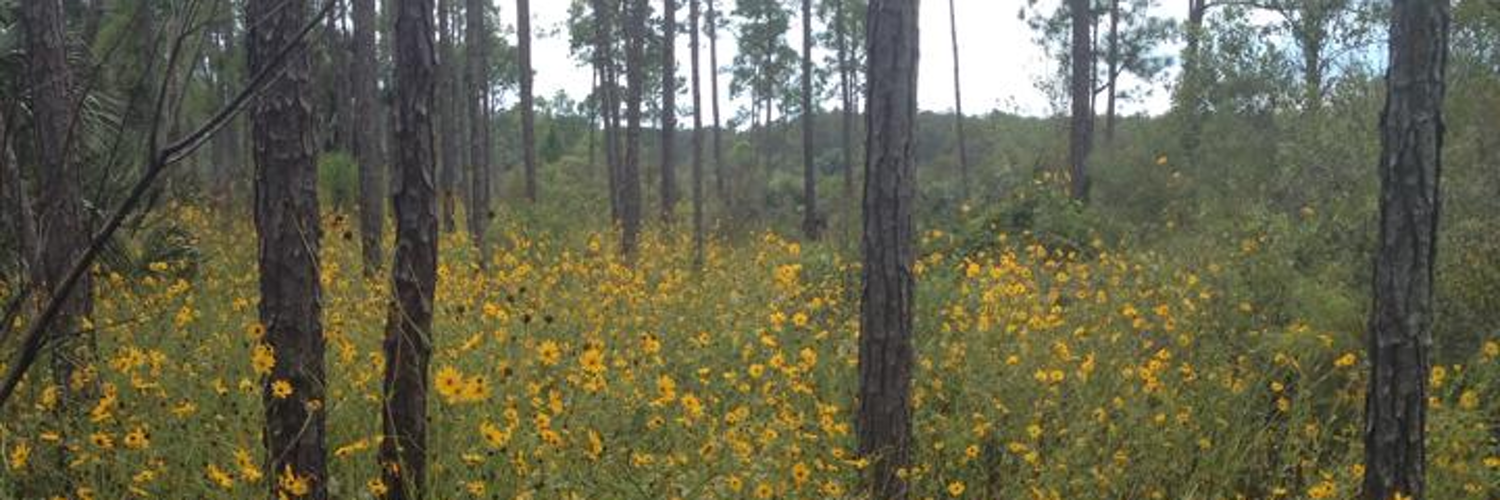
{"x":562,"y":371}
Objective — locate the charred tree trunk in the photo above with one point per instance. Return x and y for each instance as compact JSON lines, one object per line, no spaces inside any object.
{"x":451,"y":163}
{"x":889,"y":248}
{"x":811,"y":222}
{"x":958,"y":105}
{"x":698,"y":243}
{"x":720,"y":185}
{"x":1400,"y":323}
{"x":286,"y":219}
{"x":367,"y":138}
{"x":477,"y":38}
{"x":408,"y":333}
{"x":62,"y":224}
{"x":669,"y":112}
{"x":1081,"y":136}
{"x":528,"y":105}
{"x":630,"y":178}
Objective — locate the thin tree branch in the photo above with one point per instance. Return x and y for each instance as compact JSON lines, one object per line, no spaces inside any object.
{"x":173,"y":153}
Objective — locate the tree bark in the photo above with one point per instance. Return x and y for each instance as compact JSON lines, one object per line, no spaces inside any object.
{"x":1400,"y":322}
{"x":889,"y":248}
{"x":609,"y":107}
{"x":16,"y":198}
{"x":1113,"y":78}
{"x":669,"y":112}
{"x":635,"y":76}
{"x":811,"y":222}
{"x":720,"y":185}
{"x":451,"y":161}
{"x":367,"y":138}
{"x":698,"y":230}
{"x":958,"y":106}
{"x":408,"y":337}
{"x":286,"y":220}
{"x":62,"y":223}
{"x":528,"y":104}
{"x":1189,"y":89}
{"x":1081,"y":137}
{"x":477,"y":42}
{"x":846,"y":91}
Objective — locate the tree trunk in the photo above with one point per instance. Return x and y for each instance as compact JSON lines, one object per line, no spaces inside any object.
{"x":1113,"y":78}
{"x":286,"y":219}
{"x":367,"y":137}
{"x":720,"y":185}
{"x":698,"y":243}
{"x":477,"y":37}
{"x":15,"y":199}
{"x":811,"y":222}
{"x":1400,"y":323}
{"x":669,"y":112}
{"x":528,"y":105}
{"x":609,"y":107}
{"x":846,"y":92}
{"x":451,"y":164}
{"x":958,"y":106}
{"x":630,"y":178}
{"x":1080,"y":140}
{"x":408,"y":331}
{"x":62,"y":230}
{"x":889,"y":248}
{"x":1189,"y":88}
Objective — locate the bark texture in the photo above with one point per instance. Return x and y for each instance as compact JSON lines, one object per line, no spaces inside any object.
{"x":367,"y":137}
{"x":885,"y":344}
{"x":408,"y":334}
{"x":1082,"y":85}
{"x":1400,"y":323}
{"x":286,"y":220}
{"x":811,"y":222}
{"x":669,"y":112}
{"x":447,"y":102}
{"x":477,"y":37}
{"x":635,"y":76}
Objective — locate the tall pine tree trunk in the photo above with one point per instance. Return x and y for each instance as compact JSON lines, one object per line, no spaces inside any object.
{"x":528,"y":105}
{"x":477,"y":39}
{"x":669,"y":112}
{"x":286,"y":219}
{"x":698,"y":237}
{"x":62,"y":229}
{"x":1400,"y":322}
{"x":1113,"y":76}
{"x":15,"y":200}
{"x":609,"y":106}
{"x":1081,"y":136}
{"x":367,"y":137}
{"x":451,"y":162}
{"x":408,"y":334}
{"x":846,"y":92}
{"x":958,"y":106}
{"x":889,"y":249}
{"x":635,"y":76}
{"x":720,"y":185}
{"x":811,"y":222}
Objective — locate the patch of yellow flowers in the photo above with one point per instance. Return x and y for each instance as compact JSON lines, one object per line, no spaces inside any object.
{"x":566,"y":372}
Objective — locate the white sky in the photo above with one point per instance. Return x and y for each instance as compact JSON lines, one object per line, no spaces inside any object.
{"x":1001,"y":61}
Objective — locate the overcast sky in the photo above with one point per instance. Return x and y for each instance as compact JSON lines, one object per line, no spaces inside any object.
{"x":1001,"y":60}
